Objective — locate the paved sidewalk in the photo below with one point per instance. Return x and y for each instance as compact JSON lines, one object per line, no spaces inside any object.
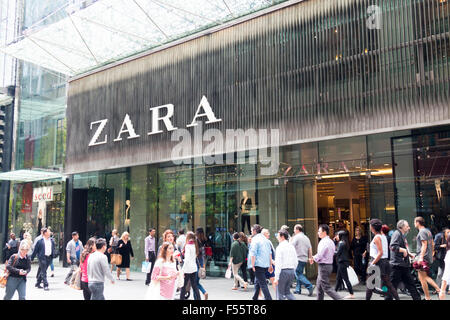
{"x":217,"y":288}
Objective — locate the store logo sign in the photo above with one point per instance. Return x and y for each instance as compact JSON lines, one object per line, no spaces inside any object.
{"x":203,"y":110}
{"x":43,"y":194}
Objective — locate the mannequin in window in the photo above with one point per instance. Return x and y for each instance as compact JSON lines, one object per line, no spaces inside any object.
{"x":437,"y":184}
{"x":127,"y":214}
{"x":185,"y":212}
{"x":39,"y":227}
{"x":246,"y":205}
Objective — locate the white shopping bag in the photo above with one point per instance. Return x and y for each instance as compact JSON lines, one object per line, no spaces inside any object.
{"x":228,"y":273}
{"x":146,"y":267}
{"x":352,"y":277}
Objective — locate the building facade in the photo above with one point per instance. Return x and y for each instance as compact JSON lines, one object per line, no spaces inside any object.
{"x":327,"y":111}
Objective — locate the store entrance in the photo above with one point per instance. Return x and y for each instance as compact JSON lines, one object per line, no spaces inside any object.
{"x":343,"y":203}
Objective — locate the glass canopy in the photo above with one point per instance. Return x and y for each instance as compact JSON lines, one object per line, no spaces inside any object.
{"x":109,"y":30}
{"x":30,"y":175}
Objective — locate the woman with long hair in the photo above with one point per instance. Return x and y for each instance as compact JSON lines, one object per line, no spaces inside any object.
{"x":190,"y":266}
{"x":202,"y":242}
{"x":243,"y":239}
{"x":343,"y":262}
{"x":114,"y":243}
{"x":89,"y":248}
{"x":164,"y":275}
{"x":125,"y":250}
{"x":379,"y":257}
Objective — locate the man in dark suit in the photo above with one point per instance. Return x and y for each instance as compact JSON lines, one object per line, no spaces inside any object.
{"x":44,"y":250}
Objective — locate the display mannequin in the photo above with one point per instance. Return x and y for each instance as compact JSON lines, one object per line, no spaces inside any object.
{"x":437,"y":184}
{"x":127,"y":214}
{"x":246,"y":205}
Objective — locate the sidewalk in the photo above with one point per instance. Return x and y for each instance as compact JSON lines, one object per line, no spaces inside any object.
{"x":217,"y":288}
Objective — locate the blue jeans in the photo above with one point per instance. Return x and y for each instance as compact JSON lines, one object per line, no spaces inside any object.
{"x":301,"y":279}
{"x":97,"y":289}
{"x":13,"y":284}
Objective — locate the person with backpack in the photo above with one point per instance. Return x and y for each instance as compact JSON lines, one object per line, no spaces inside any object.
{"x":18,"y":266}
{"x":238,"y":254}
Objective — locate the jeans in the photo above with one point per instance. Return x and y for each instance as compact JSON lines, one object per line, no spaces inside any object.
{"x":97,"y":289}
{"x":43,"y":266}
{"x":301,"y":279}
{"x":323,"y":283}
{"x":13,"y":284}
{"x":190,"y":277}
{"x":284,"y":284}
{"x":151,"y":259}
{"x":260,"y":283}
{"x":74,"y":263}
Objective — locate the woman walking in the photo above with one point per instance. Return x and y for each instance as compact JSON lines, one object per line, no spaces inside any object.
{"x":379,"y":257}
{"x":18,"y":266}
{"x":113,"y":244}
{"x":88,"y":249}
{"x":343,"y":262}
{"x":164,"y":275}
{"x":125,"y":250}
{"x":190,"y":266}
{"x":202,"y":242}
{"x":446,"y":274}
{"x":358,"y":248}
{"x":243,"y":239}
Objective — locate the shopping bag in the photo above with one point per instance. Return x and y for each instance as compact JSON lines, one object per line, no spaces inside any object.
{"x":228,"y":272}
{"x":116,"y":259}
{"x":352,"y":277}
{"x":75,"y":281}
{"x":146,"y":266}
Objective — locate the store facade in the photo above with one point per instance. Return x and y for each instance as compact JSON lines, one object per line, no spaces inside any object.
{"x":320,"y":112}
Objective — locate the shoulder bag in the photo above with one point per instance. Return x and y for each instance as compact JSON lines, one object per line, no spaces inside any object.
{"x":201,"y":271}
{"x":75,"y":281}
{"x":116,"y":259}
{"x":5,"y":275}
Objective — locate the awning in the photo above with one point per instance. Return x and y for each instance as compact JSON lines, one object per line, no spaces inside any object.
{"x":110,"y":30}
{"x":30,"y":175}
{"x":5,"y":100}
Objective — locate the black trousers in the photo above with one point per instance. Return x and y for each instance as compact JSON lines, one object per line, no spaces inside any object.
{"x":244,"y":271}
{"x":260,"y":283}
{"x":403,"y":274}
{"x":86,"y":292}
{"x":360,"y":268}
{"x":385,"y":271}
{"x":192,"y":278}
{"x":151,"y":259}
{"x":342,"y":276}
{"x":245,"y":219}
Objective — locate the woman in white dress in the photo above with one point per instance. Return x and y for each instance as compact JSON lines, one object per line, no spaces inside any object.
{"x":446,"y":275}
{"x":164,"y":275}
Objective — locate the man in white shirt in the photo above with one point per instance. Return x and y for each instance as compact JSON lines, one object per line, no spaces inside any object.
{"x":97,"y":269}
{"x":44,"y":250}
{"x":285,"y":262}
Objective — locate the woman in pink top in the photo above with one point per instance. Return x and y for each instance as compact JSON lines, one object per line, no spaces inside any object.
{"x":88,"y":249}
{"x":164,"y":275}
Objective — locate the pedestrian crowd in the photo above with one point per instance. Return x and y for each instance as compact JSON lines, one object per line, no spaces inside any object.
{"x":176,"y":263}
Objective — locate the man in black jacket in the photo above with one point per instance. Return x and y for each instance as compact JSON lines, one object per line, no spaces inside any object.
{"x":44,"y":250}
{"x":401,"y":268}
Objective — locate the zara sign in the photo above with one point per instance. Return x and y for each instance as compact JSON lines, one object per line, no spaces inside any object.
{"x":156,"y":118}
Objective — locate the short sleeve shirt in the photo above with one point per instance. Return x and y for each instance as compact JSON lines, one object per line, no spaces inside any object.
{"x":425,"y":235}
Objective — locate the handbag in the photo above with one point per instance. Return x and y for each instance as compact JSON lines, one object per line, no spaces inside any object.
{"x":154,"y":289}
{"x":352,"y":277}
{"x":116,"y":259}
{"x":75,"y":281}
{"x":180,"y":278}
{"x":208,"y":251}
{"x":5,"y":275}
{"x":202,"y":273}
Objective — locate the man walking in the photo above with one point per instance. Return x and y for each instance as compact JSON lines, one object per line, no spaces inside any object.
{"x":97,"y":269}
{"x":150,"y":253}
{"x":44,"y":250}
{"x":73,"y":252}
{"x":238,"y":254}
{"x":303,"y":249}
{"x":425,"y":256}
{"x":285,"y":262}
{"x":324,"y":257}
{"x":400,"y":260}
{"x":261,"y":261}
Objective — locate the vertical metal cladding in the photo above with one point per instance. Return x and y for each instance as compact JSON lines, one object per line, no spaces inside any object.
{"x":314,"y":69}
